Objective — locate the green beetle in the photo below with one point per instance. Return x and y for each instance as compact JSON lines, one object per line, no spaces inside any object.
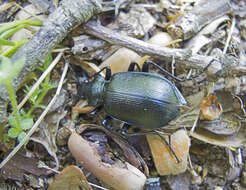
{"x":141,"y":99}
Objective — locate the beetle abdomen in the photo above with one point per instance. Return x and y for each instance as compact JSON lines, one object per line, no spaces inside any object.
{"x":142,"y":99}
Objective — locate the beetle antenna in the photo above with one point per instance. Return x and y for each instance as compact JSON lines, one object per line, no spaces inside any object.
{"x":107,"y":75}
{"x":145,"y":68}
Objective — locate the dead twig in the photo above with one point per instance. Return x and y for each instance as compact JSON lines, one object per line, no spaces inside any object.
{"x":233,"y":23}
{"x":183,"y":57}
{"x":226,"y":66}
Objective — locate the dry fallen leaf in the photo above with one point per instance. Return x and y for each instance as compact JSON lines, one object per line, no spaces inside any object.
{"x":164,"y":160}
{"x":19,"y":166}
{"x":46,"y":135}
{"x":70,"y":178}
{"x":82,"y":107}
{"x":236,"y":140}
{"x":209,"y":108}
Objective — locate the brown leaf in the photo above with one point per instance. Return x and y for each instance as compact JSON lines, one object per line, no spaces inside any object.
{"x":70,"y":178}
{"x":164,"y":160}
{"x":47,"y":133}
{"x":209,"y":108}
{"x":19,"y":165}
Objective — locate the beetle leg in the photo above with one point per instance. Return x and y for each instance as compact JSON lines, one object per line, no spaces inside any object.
{"x":156,"y":132}
{"x":106,"y":122}
{"x":107,"y":75}
{"x":153,"y":183}
{"x":97,"y":109}
{"x":125,"y":128}
{"x":132,"y":66}
{"x":168,"y":144}
{"x":145,"y":68}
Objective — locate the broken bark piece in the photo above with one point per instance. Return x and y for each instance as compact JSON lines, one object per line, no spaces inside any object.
{"x":129,"y":152}
{"x":118,"y":175}
{"x":89,"y":48}
{"x":164,"y":160}
{"x":186,"y":26}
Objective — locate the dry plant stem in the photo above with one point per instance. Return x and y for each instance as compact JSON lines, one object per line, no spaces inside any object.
{"x":97,"y":186}
{"x":41,"y":78}
{"x":203,"y":13}
{"x":183,"y":57}
{"x":194,"y":125}
{"x":65,"y":18}
{"x":36,"y":124}
{"x":233,"y":23}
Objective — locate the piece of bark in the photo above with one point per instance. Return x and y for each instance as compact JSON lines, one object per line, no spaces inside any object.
{"x":119,"y":175}
{"x":66,"y":17}
{"x":89,"y":48}
{"x":203,"y":13}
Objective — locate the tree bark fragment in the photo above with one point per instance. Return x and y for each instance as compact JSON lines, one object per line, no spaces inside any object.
{"x":193,"y":21}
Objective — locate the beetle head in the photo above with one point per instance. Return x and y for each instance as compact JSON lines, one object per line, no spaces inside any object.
{"x":92,"y":90}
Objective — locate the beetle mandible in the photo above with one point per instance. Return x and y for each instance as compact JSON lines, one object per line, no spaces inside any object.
{"x":142,"y":99}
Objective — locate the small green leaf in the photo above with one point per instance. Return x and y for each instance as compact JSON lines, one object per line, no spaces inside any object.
{"x":13,"y":132}
{"x":6,"y":42}
{"x":26,"y":123}
{"x":12,"y":121}
{"x":41,"y":106}
{"x":21,"y":136}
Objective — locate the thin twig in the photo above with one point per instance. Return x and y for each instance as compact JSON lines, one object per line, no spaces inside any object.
{"x":41,"y":78}
{"x":96,"y":186}
{"x":183,"y":57}
{"x":233,"y":23}
{"x":194,"y":125}
{"x":35,"y":126}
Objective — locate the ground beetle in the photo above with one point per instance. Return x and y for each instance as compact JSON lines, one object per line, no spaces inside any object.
{"x":142,"y":99}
